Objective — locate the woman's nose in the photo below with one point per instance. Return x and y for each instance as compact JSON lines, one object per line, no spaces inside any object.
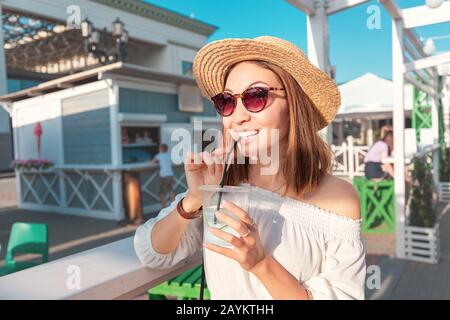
{"x":240,"y":115}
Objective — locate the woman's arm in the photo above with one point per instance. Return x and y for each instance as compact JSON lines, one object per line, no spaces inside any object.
{"x":167,"y":232}
{"x":181,"y":241}
{"x":386,"y":167}
{"x":278,"y":281}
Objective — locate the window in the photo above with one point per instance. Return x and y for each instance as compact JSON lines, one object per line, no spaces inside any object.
{"x":186,"y":68}
{"x":190,"y":99}
{"x":139,"y":144}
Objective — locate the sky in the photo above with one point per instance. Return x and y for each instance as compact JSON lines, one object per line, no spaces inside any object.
{"x":354,"y":48}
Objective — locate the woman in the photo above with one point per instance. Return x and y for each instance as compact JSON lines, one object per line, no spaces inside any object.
{"x":302,"y":238}
{"x":374,"y":168}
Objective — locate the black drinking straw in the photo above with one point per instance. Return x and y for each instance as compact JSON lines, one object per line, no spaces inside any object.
{"x":222,"y":182}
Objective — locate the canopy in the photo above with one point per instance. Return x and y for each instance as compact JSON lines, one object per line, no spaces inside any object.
{"x":367,"y":96}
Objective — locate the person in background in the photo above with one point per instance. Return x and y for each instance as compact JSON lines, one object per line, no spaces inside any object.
{"x":165,"y":174}
{"x":374,"y":167}
{"x":384,"y":129}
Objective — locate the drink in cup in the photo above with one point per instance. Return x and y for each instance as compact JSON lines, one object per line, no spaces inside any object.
{"x":210,"y":197}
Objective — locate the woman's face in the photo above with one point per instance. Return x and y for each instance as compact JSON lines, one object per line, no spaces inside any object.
{"x":255,"y":129}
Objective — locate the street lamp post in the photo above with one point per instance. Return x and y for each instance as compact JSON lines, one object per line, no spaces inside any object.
{"x":105,"y":53}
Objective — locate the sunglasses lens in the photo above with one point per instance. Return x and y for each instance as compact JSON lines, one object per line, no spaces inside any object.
{"x":224,"y":103}
{"x":255,"y":99}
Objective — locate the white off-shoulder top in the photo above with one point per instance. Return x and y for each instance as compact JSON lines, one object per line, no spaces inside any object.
{"x":322,"y":249}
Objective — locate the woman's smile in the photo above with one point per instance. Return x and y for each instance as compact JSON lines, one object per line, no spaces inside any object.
{"x":246,"y":136}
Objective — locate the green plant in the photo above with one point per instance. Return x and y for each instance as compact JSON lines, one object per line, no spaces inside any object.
{"x":422,"y":213}
{"x":376,"y":134}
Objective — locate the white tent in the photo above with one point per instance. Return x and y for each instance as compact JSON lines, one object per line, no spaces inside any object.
{"x":369,"y":96}
{"x":367,"y":99}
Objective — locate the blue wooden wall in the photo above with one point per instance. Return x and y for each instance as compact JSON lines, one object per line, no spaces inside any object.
{"x":139,"y":101}
{"x":86,"y":128}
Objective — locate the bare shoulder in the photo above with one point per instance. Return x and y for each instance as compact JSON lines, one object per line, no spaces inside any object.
{"x":338,"y":196}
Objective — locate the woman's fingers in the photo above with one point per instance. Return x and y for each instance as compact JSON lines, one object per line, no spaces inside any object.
{"x":193,"y":161}
{"x":228,"y":237}
{"x":213,"y":162}
{"x":209,"y":161}
{"x":238,"y":211}
{"x":230,"y":253}
{"x":219,"y":152}
{"x":234,"y":224}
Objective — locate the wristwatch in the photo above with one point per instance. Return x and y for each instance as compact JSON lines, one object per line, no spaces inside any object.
{"x":188,"y":215}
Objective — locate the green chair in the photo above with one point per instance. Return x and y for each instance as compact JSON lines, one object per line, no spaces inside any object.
{"x":377,"y":201}
{"x":186,"y":286}
{"x":25,"y":238}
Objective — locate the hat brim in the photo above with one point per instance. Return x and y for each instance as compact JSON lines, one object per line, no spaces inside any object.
{"x":213,"y":61}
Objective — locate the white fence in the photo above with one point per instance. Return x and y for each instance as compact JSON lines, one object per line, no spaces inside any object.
{"x":349,"y":159}
{"x":93,"y":191}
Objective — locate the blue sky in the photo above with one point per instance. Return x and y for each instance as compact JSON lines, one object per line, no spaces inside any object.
{"x":354,"y":49}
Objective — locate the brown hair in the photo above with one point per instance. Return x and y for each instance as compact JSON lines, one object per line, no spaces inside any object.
{"x":308,"y":157}
{"x":388,"y":134}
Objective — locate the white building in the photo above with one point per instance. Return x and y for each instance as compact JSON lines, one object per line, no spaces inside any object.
{"x":367,"y":101}
{"x":99,"y":121}
{"x":41,"y":40}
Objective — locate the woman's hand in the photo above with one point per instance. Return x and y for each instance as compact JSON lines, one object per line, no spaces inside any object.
{"x":248,"y":250}
{"x":202,"y":168}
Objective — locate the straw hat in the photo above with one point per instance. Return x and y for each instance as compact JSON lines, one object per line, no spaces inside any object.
{"x":213,"y":60}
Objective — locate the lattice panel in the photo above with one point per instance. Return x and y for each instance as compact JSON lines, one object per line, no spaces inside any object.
{"x":40,"y":188}
{"x":90,"y":190}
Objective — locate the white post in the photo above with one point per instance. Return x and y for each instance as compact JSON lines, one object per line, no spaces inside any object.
{"x":399,"y":126}
{"x":4,"y":117}
{"x":3,"y":84}
{"x":446,"y":109}
{"x":351,"y":157}
{"x":345,"y":157}
{"x":435,"y":127}
{"x":318,"y":49}
{"x":116,"y":150}
{"x":61,"y":172}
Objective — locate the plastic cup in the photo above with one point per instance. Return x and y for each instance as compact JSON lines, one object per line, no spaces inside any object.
{"x":210,"y":196}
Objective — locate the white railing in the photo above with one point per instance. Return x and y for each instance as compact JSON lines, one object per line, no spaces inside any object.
{"x":112,"y":271}
{"x":349,"y":159}
{"x":340,"y":166}
{"x":76,"y":178}
{"x":88,"y":190}
{"x":359,"y":153}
